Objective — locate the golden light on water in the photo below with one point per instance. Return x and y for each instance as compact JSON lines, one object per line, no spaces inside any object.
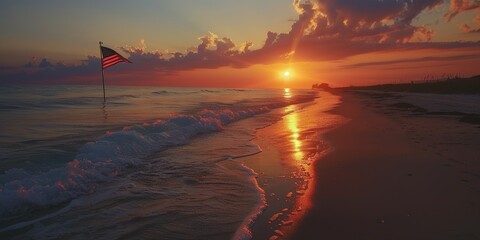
{"x":292,"y":125}
{"x":287,"y":94}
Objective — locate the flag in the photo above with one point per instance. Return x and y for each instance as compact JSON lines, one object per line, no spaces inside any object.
{"x":110,"y":57}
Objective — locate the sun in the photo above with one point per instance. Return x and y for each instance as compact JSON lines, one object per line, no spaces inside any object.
{"x":286,"y":74}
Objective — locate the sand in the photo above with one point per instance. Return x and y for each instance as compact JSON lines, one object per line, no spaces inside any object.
{"x":289,"y":147}
{"x":395,"y":174}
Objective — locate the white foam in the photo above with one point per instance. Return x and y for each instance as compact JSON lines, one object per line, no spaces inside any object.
{"x":105,"y":157}
{"x":243,"y":232}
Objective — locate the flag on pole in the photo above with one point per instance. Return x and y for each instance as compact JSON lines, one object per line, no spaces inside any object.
{"x":110,"y":57}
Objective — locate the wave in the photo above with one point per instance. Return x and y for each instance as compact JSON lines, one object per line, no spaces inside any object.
{"x":238,"y":90}
{"x":168,"y":92}
{"x":105,"y":158}
{"x":210,"y":91}
{"x":164,"y":92}
{"x":46,"y":104}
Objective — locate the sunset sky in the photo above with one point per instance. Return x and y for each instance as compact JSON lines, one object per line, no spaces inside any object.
{"x":226,"y":43}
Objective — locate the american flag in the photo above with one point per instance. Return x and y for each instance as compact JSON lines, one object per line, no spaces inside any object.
{"x":110,"y":57}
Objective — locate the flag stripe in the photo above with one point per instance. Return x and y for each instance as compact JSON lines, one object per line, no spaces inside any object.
{"x":110,"y":57}
{"x":111,"y":64}
{"x":112,"y":60}
{"x":115,"y":56}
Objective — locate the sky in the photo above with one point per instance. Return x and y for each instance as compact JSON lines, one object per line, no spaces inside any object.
{"x":248,"y":43}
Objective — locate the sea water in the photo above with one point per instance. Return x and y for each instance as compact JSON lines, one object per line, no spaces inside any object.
{"x":150,"y":163}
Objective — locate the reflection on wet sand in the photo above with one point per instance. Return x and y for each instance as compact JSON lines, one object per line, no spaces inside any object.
{"x":289,"y":147}
{"x":291,"y":122}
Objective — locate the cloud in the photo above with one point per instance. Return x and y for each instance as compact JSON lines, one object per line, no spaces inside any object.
{"x":44,"y":63}
{"x":325,"y":30}
{"x":458,"y":6}
{"x":467,"y":29}
{"x":414,"y":60}
{"x":374,"y":21}
{"x":336,"y":29}
{"x":44,"y":71}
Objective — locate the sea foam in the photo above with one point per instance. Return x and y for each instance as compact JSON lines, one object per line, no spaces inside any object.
{"x":104,"y":158}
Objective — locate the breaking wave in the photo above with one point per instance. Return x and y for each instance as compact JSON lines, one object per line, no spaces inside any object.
{"x":103,"y":159}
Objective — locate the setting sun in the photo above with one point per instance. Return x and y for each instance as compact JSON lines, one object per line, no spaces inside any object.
{"x":286,"y":74}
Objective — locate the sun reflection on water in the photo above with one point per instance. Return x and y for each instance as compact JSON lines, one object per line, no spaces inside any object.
{"x":286,"y":93}
{"x":299,"y":158}
{"x":292,"y":126}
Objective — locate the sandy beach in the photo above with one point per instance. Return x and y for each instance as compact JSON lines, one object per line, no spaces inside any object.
{"x":377,"y":166}
{"x":395,"y":174}
{"x":284,"y":167}
{"x":242,"y":120}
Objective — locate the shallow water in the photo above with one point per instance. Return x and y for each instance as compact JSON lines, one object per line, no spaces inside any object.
{"x":151,"y":162}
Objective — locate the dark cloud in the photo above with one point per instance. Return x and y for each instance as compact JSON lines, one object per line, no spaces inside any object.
{"x":414,"y":60}
{"x":44,"y":63}
{"x":324,"y":30}
{"x":371,"y":21}
{"x":36,"y":63}
{"x":336,"y":29}
{"x":44,"y":71}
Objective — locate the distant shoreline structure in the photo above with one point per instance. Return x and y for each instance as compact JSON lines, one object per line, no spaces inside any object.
{"x":323,"y":86}
{"x":455,"y":85}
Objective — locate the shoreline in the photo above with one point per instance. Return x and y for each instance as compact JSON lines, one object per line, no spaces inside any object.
{"x":393,"y":175}
{"x":284,"y":172}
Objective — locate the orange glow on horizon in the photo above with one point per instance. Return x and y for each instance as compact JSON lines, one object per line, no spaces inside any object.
{"x":301,"y":75}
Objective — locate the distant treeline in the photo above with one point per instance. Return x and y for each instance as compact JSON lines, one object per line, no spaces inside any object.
{"x":469,"y":85}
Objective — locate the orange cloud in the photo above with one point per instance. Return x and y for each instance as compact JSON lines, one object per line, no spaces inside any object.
{"x":458,"y":6}
{"x":467,"y":29}
{"x":325,"y":30}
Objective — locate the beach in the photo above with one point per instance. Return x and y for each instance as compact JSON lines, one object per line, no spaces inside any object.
{"x":159,"y":163}
{"x":395,"y":173}
{"x":241,"y":164}
{"x":240,"y":120}
{"x":284,"y":166}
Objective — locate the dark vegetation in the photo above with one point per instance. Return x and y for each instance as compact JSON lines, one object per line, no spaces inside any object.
{"x":455,"y":85}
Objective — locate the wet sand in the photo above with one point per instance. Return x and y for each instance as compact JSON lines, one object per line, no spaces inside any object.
{"x":289,"y":148}
{"x":395,"y":175}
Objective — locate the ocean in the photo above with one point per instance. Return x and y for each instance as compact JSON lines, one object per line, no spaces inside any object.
{"x":150,"y":162}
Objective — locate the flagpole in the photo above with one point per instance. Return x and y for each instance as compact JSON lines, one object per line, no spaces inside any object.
{"x":101,"y":65}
